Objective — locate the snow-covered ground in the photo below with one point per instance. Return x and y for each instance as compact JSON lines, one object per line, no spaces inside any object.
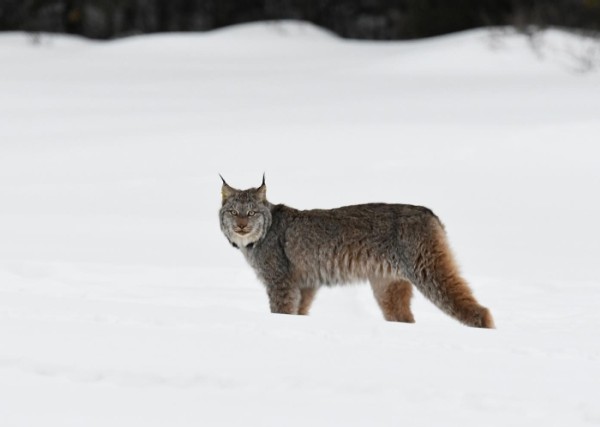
{"x":121,"y":304}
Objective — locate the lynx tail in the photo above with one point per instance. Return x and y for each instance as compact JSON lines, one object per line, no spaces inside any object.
{"x":438,"y":278}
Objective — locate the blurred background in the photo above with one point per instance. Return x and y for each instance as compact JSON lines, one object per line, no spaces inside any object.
{"x":357,"y":19}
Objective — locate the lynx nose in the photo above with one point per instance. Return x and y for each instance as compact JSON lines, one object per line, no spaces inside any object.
{"x":241,"y":225}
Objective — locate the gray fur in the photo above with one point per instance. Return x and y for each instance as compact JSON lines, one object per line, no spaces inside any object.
{"x":294,"y":252}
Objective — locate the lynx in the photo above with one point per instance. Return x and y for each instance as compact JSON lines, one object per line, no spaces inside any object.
{"x":393,"y":246}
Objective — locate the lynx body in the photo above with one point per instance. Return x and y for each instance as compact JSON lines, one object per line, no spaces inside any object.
{"x":392,"y":246}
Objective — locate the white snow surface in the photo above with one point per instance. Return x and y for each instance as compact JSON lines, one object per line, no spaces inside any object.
{"x":121,"y":304}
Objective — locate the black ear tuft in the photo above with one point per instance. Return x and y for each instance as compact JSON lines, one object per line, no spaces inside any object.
{"x":262,"y":190}
{"x":226,"y":190}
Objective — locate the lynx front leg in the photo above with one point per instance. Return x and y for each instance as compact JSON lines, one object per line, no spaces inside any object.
{"x":393,"y":297}
{"x":307,"y":297}
{"x":284,"y":300}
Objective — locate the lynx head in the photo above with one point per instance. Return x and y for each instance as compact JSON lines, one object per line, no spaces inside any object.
{"x":245,"y":214}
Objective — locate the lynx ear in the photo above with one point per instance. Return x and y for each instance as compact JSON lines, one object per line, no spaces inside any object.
{"x":226,"y":190}
{"x":261,"y":191}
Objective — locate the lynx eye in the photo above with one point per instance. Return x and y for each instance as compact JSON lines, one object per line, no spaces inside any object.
{"x":251,"y":213}
{"x":234,"y":212}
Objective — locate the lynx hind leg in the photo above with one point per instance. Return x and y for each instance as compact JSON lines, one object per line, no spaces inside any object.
{"x":306,"y":298}
{"x":393,"y":297}
{"x":437,"y":276}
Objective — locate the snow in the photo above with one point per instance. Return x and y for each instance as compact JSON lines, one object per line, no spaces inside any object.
{"x":122,"y":304}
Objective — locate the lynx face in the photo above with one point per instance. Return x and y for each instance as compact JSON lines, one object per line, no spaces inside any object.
{"x":245,"y":215}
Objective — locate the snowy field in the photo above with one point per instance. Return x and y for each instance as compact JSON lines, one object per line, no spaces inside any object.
{"x":121,"y":304}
